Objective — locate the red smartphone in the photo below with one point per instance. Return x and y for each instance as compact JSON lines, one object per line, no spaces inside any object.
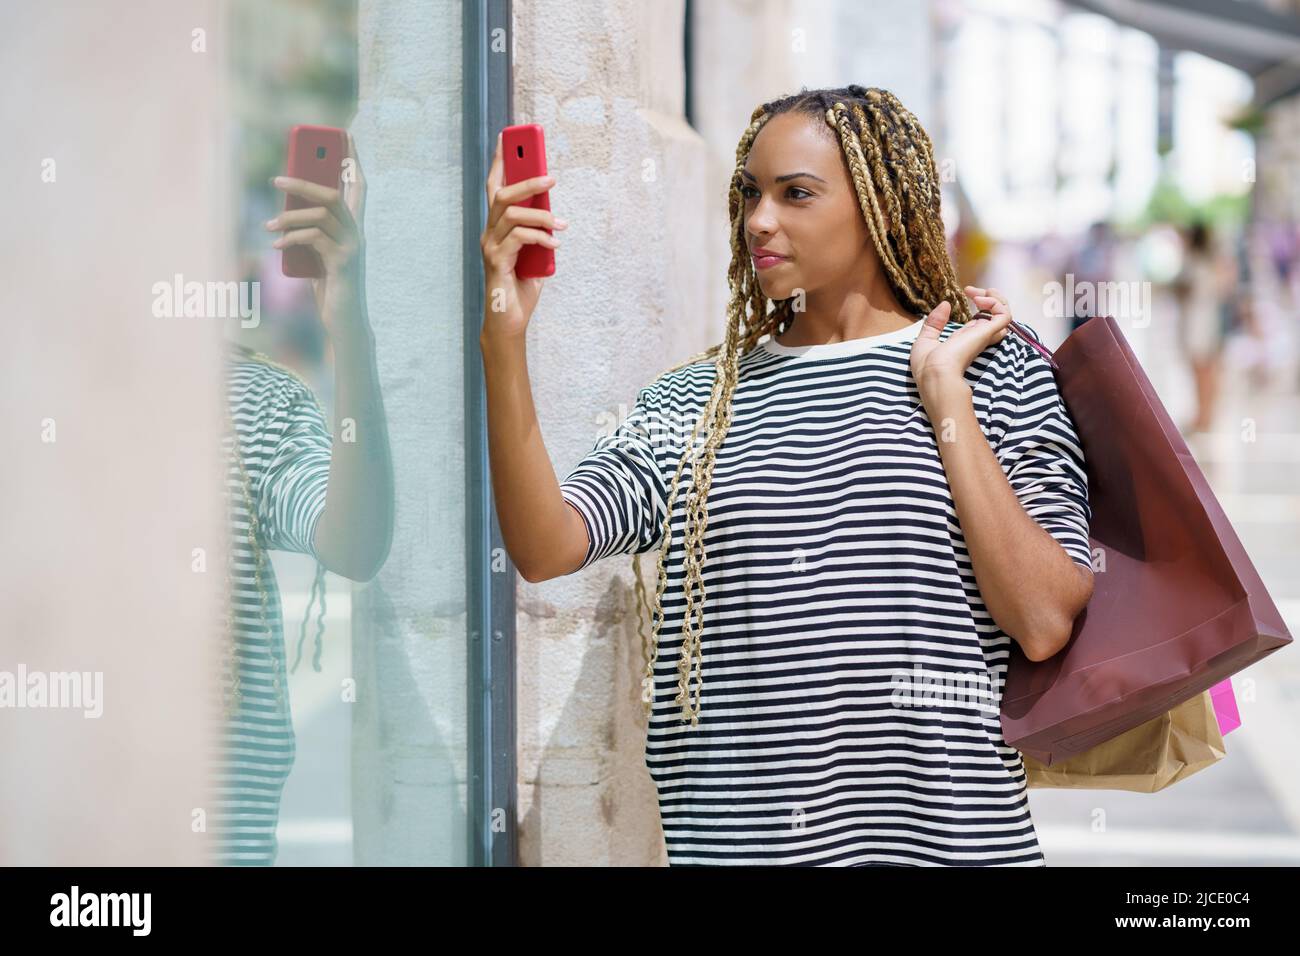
{"x":524,"y":157}
{"x":316,"y":154}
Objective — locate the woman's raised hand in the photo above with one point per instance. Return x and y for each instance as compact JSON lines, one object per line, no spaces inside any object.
{"x":331,"y":227}
{"x":940,"y":366}
{"x":509,"y":300}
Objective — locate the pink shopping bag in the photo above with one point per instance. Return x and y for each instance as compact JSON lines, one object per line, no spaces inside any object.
{"x":1225,"y":706}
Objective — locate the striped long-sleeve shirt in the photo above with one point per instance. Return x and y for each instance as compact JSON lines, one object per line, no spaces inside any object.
{"x":284,"y":445}
{"x":852,"y":675}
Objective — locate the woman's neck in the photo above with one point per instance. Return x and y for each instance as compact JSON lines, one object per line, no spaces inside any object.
{"x":856,"y":316}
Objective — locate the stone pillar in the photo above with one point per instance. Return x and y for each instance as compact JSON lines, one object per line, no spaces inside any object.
{"x":628,"y":300}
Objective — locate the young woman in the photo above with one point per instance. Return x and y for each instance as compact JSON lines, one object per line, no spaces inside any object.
{"x":291,"y":487}
{"x":861,"y":497}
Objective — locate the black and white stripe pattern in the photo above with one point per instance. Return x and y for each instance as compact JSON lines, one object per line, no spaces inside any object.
{"x":836,"y":578}
{"x":286,"y":450}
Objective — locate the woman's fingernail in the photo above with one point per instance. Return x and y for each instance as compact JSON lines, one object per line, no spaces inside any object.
{"x":561,"y":222}
{"x":275,"y":180}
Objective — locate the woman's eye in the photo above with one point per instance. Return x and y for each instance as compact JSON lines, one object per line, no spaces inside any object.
{"x":749,"y":192}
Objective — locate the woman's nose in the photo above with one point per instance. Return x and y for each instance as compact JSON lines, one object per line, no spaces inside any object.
{"x":760,"y":225}
{"x":760,"y":222}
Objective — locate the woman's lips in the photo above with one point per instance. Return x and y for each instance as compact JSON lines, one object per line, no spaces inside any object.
{"x":767,"y":262}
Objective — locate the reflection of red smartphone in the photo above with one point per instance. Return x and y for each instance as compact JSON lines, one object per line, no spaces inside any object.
{"x":524,"y":156}
{"x":316,"y":154}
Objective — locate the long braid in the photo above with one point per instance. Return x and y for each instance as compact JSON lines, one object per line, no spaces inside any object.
{"x":891,"y":164}
{"x":259,"y":563}
{"x":744,"y":291}
{"x":910,"y":184}
{"x":883,"y":225}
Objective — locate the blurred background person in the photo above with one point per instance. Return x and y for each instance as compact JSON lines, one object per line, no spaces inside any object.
{"x":1202,"y":307}
{"x":1093,"y":262}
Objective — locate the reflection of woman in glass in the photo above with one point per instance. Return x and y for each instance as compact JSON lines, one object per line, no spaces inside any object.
{"x":889,"y":492}
{"x":293,"y":486}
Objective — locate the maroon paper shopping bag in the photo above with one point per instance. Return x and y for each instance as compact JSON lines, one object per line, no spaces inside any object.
{"x":1177,"y":605}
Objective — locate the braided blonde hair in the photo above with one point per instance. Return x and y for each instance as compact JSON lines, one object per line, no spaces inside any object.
{"x":891,"y":163}
{"x":231,"y":666}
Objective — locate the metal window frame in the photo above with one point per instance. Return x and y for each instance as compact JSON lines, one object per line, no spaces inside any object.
{"x":491,"y":797}
{"x":688,"y":63}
